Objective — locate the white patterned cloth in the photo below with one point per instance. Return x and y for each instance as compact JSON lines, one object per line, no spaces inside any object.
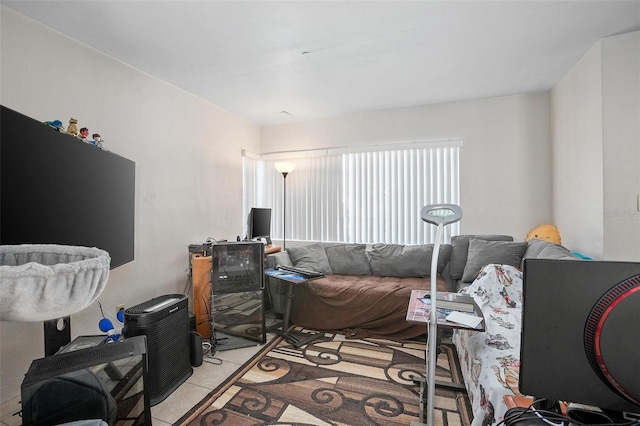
{"x":490,"y":360}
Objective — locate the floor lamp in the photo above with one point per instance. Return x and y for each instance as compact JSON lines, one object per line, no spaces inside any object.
{"x":440,"y":215}
{"x":285,"y":168}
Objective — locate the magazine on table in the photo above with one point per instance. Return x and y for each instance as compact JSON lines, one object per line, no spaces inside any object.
{"x":419,"y":311}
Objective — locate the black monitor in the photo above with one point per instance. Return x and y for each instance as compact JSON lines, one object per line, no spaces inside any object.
{"x":259,"y":223}
{"x":581,"y":333}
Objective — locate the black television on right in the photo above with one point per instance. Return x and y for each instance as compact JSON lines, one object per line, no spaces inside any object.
{"x":259,"y":223}
{"x":581,"y":334}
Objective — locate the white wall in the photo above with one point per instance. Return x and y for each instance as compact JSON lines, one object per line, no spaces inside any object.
{"x":187,"y":154}
{"x":596,"y":151}
{"x":577,"y":156}
{"x":621,"y":130}
{"x":505,"y":161}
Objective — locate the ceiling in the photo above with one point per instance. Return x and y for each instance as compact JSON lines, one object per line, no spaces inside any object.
{"x":277,"y":62}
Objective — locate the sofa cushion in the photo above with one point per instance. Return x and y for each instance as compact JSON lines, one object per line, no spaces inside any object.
{"x":555,"y":251}
{"x":348,"y":259}
{"x":311,"y":257}
{"x":460,"y":245}
{"x":396,"y":260}
{"x":483,"y":252}
{"x":534,"y":248}
{"x":539,"y":249}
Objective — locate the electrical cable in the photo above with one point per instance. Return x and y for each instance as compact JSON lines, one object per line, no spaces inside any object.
{"x":209,"y":350}
{"x":548,"y":417}
{"x":187,"y":286}
{"x":103,"y":312}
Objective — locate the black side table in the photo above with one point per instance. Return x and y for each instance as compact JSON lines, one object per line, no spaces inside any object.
{"x":297,"y":339}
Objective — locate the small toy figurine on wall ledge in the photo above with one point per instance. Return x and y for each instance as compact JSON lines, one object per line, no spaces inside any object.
{"x":72,"y":129}
{"x":84,"y":132}
{"x":97,"y":140}
{"x":56,"y":124}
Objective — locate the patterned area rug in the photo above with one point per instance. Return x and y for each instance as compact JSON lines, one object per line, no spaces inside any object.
{"x":333,"y":381}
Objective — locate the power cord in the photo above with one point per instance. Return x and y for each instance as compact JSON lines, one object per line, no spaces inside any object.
{"x":530,"y":413}
{"x":209,"y":350}
{"x":550,"y":417}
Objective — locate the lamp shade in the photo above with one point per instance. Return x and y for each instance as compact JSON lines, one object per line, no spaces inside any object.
{"x":285,"y":166}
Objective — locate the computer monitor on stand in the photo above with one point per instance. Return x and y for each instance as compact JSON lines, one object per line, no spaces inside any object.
{"x":259,"y":224}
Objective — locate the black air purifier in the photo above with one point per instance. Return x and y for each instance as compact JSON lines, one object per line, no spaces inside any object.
{"x":164,"y":320}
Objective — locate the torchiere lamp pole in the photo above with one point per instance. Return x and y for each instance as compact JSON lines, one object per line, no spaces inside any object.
{"x":439,"y":215}
{"x":285,"y":168}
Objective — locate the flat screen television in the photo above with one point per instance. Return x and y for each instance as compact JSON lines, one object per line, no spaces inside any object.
{"x":57,"y":189}
{"x":259,"y":223}
{"x":581,"y":333}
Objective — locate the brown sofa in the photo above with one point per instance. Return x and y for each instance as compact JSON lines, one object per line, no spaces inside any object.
{"x":365,"y":292}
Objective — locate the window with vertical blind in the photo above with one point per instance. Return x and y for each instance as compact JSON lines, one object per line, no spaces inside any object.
{"x":366,"y":195}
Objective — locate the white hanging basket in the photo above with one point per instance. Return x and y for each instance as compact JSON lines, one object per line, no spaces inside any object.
{"x":40,"y":282}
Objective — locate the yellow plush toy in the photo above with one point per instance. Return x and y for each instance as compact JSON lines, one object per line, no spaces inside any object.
{"x":545,"y":233}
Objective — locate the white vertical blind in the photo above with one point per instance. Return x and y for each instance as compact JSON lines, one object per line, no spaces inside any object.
{"x":374,"y":195}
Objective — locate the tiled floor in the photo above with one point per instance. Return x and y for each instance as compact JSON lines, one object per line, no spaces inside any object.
{"x":204,"y":379}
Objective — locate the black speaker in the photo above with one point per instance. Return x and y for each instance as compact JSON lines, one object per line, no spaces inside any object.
{"x":164,"y":320}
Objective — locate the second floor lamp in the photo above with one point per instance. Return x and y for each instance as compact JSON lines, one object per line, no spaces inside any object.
{"x":284,"y":167}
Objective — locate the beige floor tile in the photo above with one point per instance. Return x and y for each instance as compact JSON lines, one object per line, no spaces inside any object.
{"x":211,"y":375}
{"x":179,"y":402}
{"x":8,"y":410}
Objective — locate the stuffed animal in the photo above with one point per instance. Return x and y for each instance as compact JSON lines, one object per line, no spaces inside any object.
{"x":72,"y":129}
{"x":545,"y":233}
{"x":84,"y":132}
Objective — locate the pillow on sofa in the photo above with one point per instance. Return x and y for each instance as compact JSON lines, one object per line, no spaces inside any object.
{"x":539,"y":249}
{"x":396,"y":260}
{"x":460,"y":244}
{"x":311,"y":257}
{"x":534,"y":248}
{"x":555,"y":251}
{"x":348,"y":259}
{"x":482,"y":252}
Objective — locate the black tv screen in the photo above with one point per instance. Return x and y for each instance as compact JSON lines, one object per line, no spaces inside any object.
{"x":57,"y":189}
{"x":259,"y":222}
{"x":581,"y":333}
